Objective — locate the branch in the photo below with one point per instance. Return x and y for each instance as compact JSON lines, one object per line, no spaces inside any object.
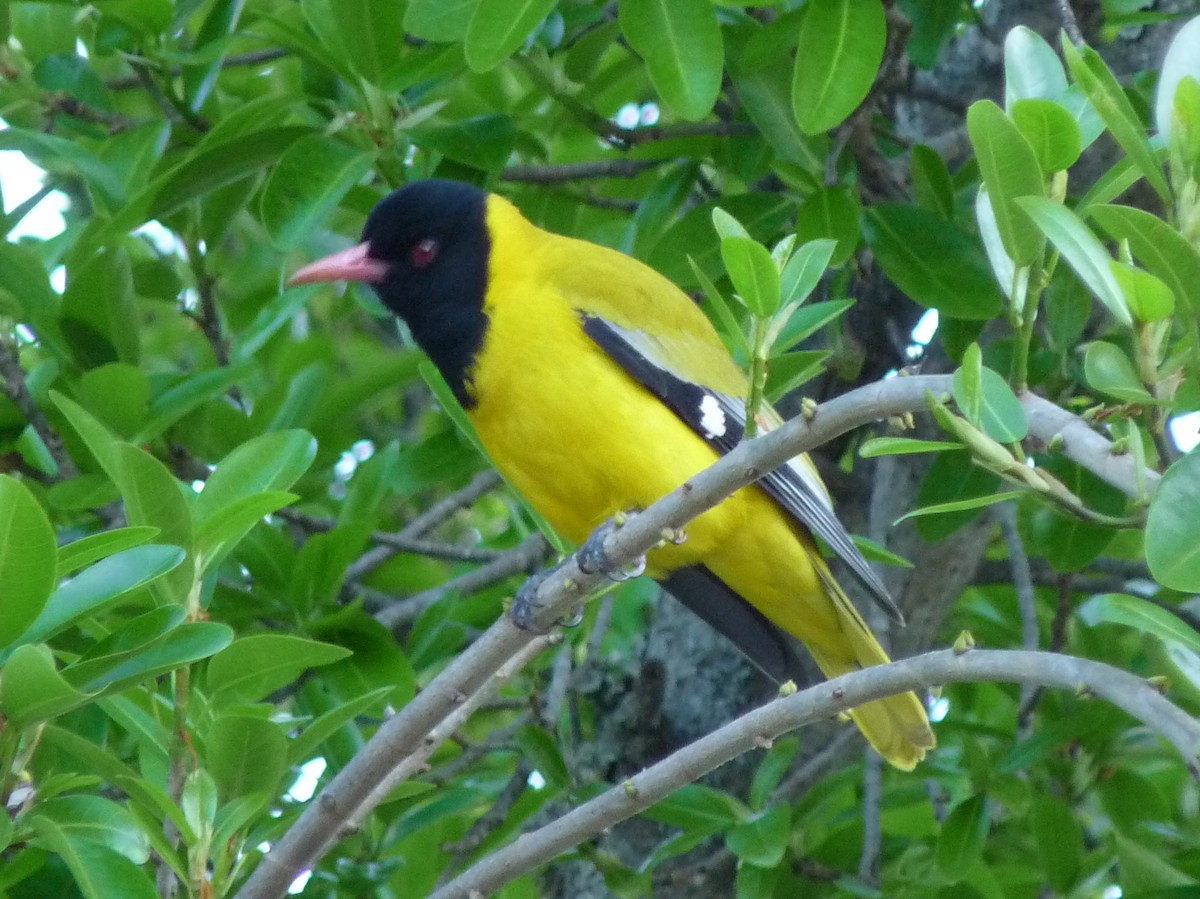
{"x":17,"y":390}
{"x":579,"y":171}
{"x":1130,"y":693}
{"x":564,"y":588}
{"x":397,"y":541}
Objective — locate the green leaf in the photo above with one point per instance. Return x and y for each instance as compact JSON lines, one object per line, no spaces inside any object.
{"x":372,"y":33}
{"x":252,"y":667}
{"x":1173,"y":528}
{"x":1149,"y":299}
{"x":809,"y":319}
{"x":541,"y":749}
{"x":270,"y":462}
{"x":308,"y":742}
{"x":499,"y":27}
{"x":1182,"y":61}
{"x":1010,"y":170}
{"x":86,"y":550}
{"x":1031,"y":68}
{"x":721,"y":315}
{"x":698,"y":806}
{"x":763,"y":840}
{"x":306,"y":185}
{"x":873,"y":552}
{"x":33,"y":691}
{"x":932,"y":186}
{"x":960,"y":843}
{"x":94,"y":819}
{"x":482,"y":141}
{"x":98,"y":872}
{"x":1106,"y":95}
{"x":27,"y":559}
{"x":832,"y":213}
{"x":968,"y":384}
{"x":772,"y":769}
{"x":1109,"y":370}
{"x":787,"y":371}
{"x":754,"y":882}
{"x":128,"y":640}
{"x":174,"y":403}
{"x":218,"y":533}
{"x":753,"y":272}
{"x":439,"y":20}
{"x":246,"y":755}
{"x":154,"y":498}
{"x":932,"y":260}
{"x":681,"y":44}
{"x":999,"y":413}
{"x":94,"y":588}
{"x":1082,"y":250}
{"x":191,"y":642}
{"x":1159,"y":247}
{"x":692,"y":236}
{"x":1059,"y":841}
{"x":977,"y":502}
{"x":838,"y":55}
{"x":1141,"y":615}
{"x":1052,"y":132}
{"x":727,"y":225}
{"x":899,"y":446}
{"x":1144,"y":869}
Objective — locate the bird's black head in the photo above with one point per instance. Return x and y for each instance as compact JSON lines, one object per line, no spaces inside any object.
{"x":432,"y":235}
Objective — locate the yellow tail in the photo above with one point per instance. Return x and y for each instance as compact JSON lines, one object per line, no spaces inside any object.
{"x":897,"y":726}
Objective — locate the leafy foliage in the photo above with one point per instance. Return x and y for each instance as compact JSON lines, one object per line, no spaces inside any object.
{"x":225,"y":547}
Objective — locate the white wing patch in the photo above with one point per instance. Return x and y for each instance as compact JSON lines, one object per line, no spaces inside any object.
{"x":712,"y":417}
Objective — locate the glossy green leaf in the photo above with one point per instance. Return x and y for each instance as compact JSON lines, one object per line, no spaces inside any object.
{"x":962,"y":505}
{"x":308,"y":742}
{"x":1148,"y":298}
{"x":873,"y":552}
{"x":92,"y":548}
{"x":840,"y":48}
{"x":1000,"y":414}
{"x":698,"y":806}
{"x":1173,"y":528}
{"x":498,"y":28}
{"x":766,"y":94}
{"x":1059,"y":841}
{"x":809,"y":319}
{"x":254,"y":666}
{"x":541,"y":750}
{"x":27,"y":559}
{"x":306,"y":185}
{"x":1010,"y":170}
{"x":1082,"y":250}
{"x":186,"y":395}
{"x":1159,"y":247}
{"x":681,"y":44}
{"x":90,"y":670}
{"x":95,"y":587}
{"x":270,"y":462}
{"x":191,"y":642}
{"x":246,"y":755}
{"x":1031,"y":68}
{"x":899,"y":446}
{"x":97,"y":820}
{"x":787,"y":371}
{"x":692,"y":238}
{"x":1051,"y":131}
{"x":439,"y":20}
{"x":32,"y":690}
{"x":932,"y":186}
{"x":753,"y":272}
{"x":99,"y":872}
{"x":1141,"y":615}
{"x":763,"y":840}
{"x":721,"y":315}
{"x":932,"y":261}
{"x":960,"y":843}
{"x":1107,"y":96}
{"x":803,"y":271}
{"x":968,"y":384}
{"x":1109,"y":370}
{"x":771,"y":770}
{"x":217,"y":533}
{"x":1182,"y":61}
{"x":832,"y":213}
{"x":372,"y":33}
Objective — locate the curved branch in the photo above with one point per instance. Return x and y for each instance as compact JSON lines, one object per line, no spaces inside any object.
{"x":1130,"y":693}
{"x":563,"y":588}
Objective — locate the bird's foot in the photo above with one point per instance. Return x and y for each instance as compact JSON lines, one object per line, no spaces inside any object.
{"x":593,"y":558}
{"x":527,"y":606}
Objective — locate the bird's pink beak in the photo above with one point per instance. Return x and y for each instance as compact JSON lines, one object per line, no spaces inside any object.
{"x":349,"y":265}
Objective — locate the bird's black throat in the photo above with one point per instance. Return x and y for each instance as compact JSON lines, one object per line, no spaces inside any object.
{"x":441,"y":301}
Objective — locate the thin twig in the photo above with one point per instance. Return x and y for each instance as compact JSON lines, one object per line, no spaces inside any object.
{"x":580,"y":171}
{"x":1005,"y":515}
{"x":1132,"y":694}
{"x":872,"y":806}
{"x":17,"y":390}
{"x":1070,"y":23}
{"x":415,"y":545}
{"x":127,"y":82}
{"x":526,"y":557}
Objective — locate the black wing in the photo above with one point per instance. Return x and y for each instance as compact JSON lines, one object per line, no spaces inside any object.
{"x":720,"y":420}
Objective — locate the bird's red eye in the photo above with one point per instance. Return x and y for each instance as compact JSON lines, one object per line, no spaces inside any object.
{"x":424,"y":252}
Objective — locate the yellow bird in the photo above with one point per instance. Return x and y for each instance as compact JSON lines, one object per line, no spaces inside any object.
{"x":598,"y":386}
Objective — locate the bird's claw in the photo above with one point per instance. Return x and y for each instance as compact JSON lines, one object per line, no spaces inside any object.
{"x":526,"y":606}
{"x":593,"y":558}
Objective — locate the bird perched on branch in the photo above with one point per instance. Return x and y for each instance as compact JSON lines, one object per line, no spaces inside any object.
{"x":597,"y":386}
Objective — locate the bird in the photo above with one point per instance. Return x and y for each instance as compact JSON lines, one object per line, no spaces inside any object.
{"x":597,"y":386}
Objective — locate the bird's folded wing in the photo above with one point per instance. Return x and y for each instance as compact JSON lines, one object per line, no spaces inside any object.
{"x":720,"y":420}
